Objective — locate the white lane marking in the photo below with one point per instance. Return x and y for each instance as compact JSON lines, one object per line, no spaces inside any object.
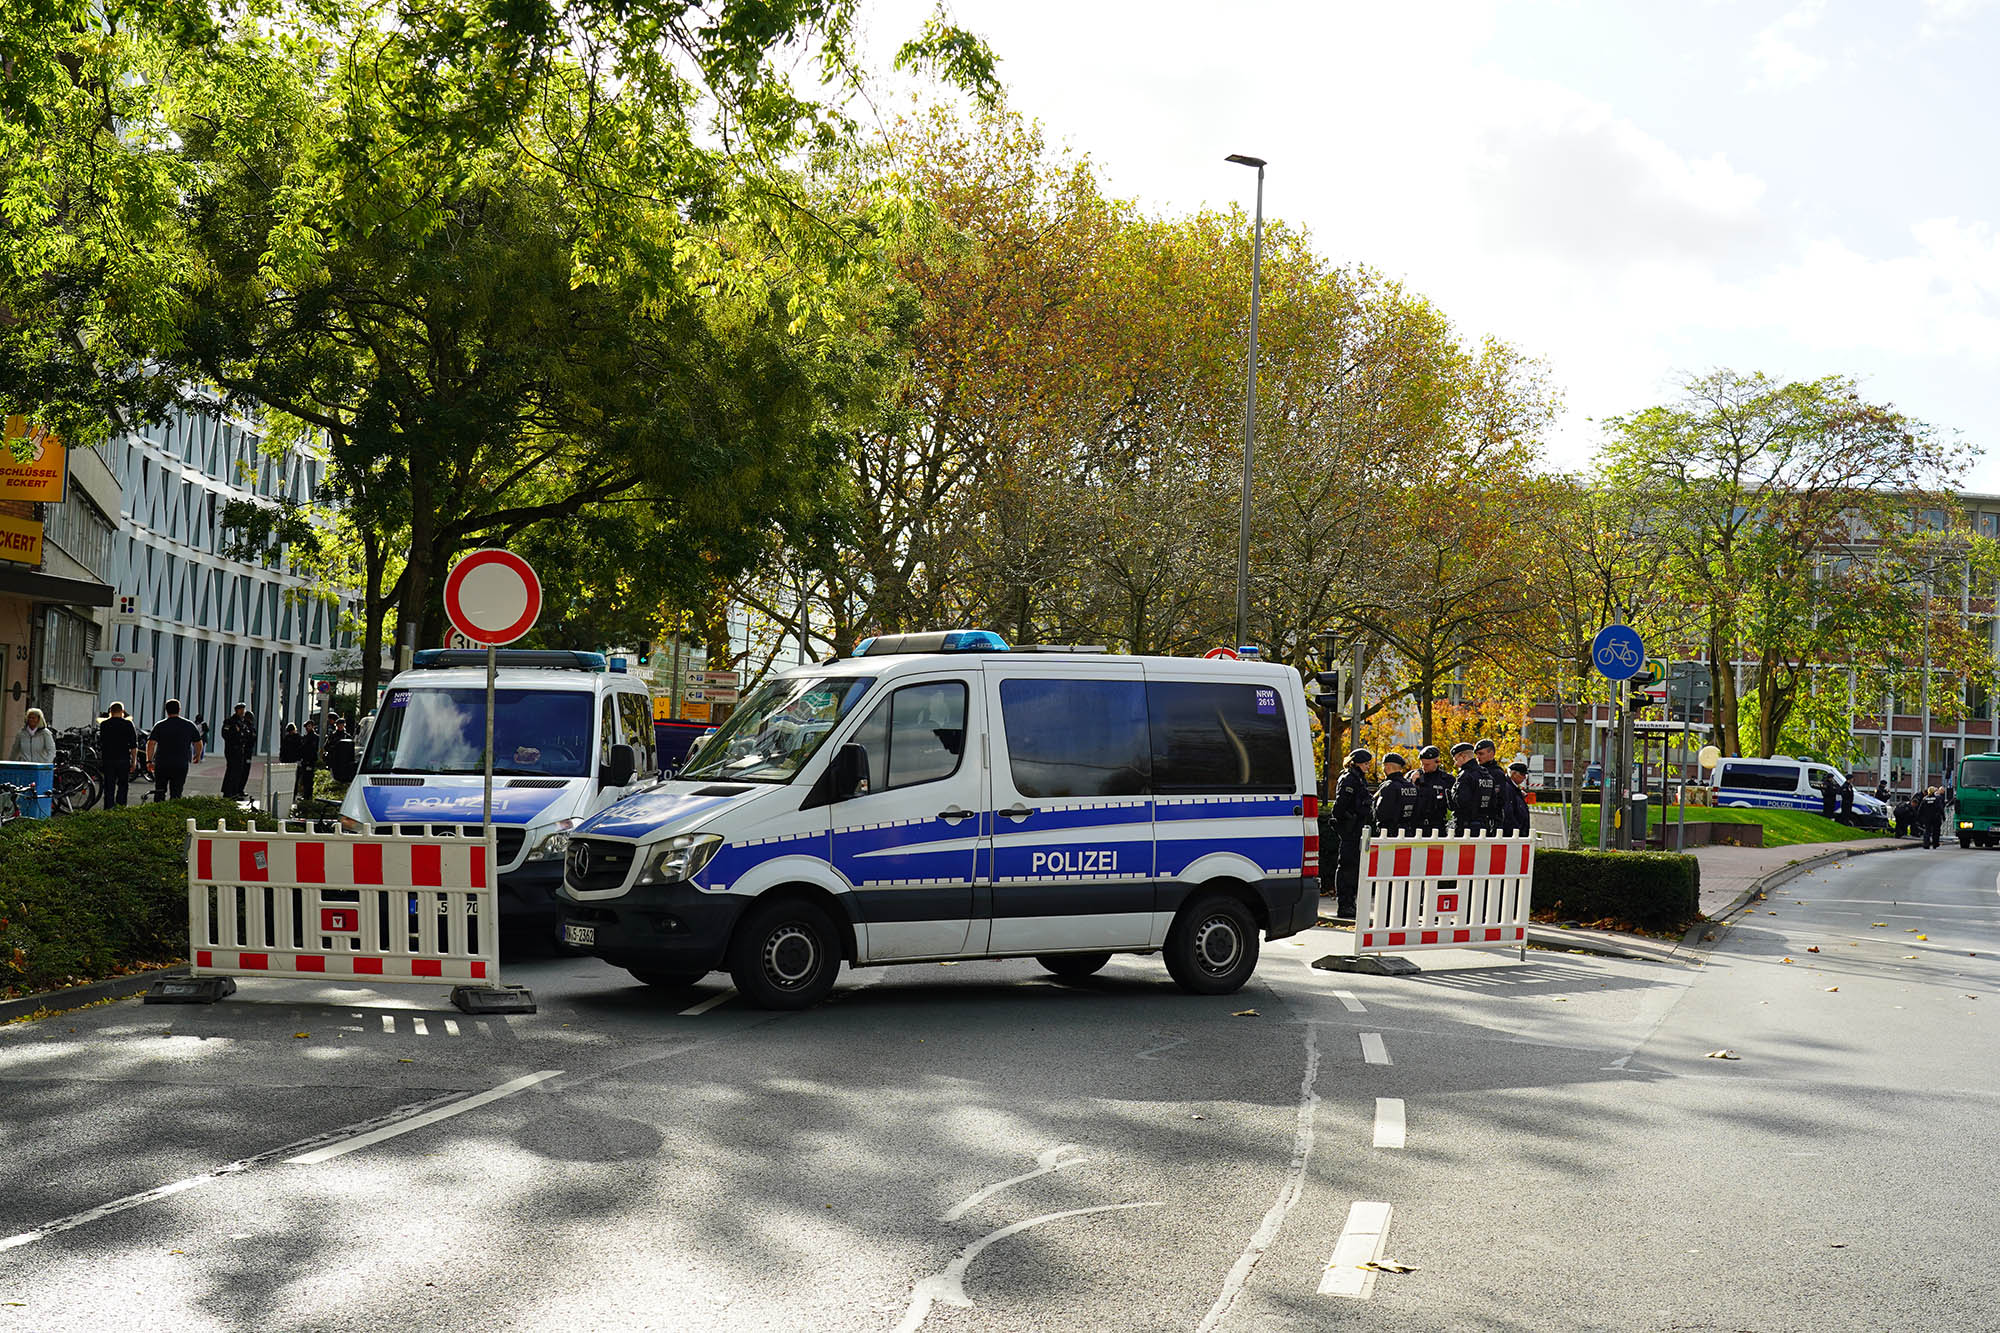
{"x":1288,"y":1193}
{"x":1045,"y":1162}
{"x":949,"y":1287}
{"x":1348,"y":1002}
{"x":1388,"y":1122}
{"x":389,"y":1023}
{"x":1372,"y":1049}
{"x":374,"y":1136}
{"x":421,"y":1029}
{"x":1360,"y":1242}
{"x":709,"y":1003}
{"x":74,"y":1220}
{"x":451,"y":1027}
{"x":1152,"y":1052}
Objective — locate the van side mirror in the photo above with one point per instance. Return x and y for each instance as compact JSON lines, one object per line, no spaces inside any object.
{"x":624,"y":762}
{"x":849,"y":772}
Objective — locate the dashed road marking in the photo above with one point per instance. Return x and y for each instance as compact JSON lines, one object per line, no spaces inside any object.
{"x":710,"y":1003}
{"x":1388,"y":1122}
{"x":1361,"y":1242}
{"x":401,"y":1127}
{"x":421,"y":1029}
{"x":1349,"y":1003}
{"x":1372,"y":1049}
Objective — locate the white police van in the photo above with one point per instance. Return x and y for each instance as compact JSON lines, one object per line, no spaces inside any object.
{"x":571,"y":735}
{"x":1784,"y":783}
{"x":939,"y":796}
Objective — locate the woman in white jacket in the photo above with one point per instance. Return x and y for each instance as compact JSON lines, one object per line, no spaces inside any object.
{"x":34,"y":743}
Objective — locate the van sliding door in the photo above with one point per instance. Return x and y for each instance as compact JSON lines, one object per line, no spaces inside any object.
{"x":1071,"y":821}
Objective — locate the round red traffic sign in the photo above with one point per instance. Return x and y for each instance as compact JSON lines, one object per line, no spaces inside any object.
{"x":492,"y":597}
{"x":1229,"y":653}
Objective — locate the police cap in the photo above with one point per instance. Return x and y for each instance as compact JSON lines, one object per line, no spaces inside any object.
{"x":1484,"y":744}
{"x":1517,"y":767}
{"x":1463,"y":747}
{"x":1360,"y":756}
{"x":1428,"y":752}
{"x":1393,"y":758}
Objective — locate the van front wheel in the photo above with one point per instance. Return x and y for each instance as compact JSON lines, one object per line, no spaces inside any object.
{"x":784,"y":955}
{"x":1212,"y":948}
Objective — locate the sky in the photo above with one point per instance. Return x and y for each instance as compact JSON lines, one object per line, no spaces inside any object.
{"x":1632,"y":192}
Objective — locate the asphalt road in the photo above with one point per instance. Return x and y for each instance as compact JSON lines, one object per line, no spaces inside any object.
{"x":1546,"y":1144}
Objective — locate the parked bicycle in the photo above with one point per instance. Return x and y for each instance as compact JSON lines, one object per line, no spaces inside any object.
{"x":11,"y":797}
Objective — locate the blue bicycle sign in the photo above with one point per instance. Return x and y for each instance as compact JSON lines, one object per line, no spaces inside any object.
{"x":1618,"y":652}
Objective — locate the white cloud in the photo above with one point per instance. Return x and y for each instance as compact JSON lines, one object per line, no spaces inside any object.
{"x":1779,"y":61}
{"x":1941,"y":16}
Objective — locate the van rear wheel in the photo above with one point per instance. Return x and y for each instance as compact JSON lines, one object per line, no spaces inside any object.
{"x":784,"y":955}
{"x":1212,"y":948}
{"x":1073,"y":965}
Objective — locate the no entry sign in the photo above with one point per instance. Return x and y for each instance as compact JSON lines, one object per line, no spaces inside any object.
{"x":492,"y":597}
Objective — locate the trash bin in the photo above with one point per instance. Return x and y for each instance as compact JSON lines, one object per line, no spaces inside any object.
{"x":40,"y":776}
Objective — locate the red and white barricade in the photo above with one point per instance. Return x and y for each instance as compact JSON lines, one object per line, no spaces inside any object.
{"x":373,"y":907}
{"x":1439,"y":891}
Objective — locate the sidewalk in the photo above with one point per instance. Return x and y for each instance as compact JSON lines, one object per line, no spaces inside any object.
{"x":205,"y":779}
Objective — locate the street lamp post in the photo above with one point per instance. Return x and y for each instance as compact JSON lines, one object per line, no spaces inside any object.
{"x":1250,"y":408}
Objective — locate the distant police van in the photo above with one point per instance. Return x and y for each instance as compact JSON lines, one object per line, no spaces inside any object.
{"x":938,"y":796}
{"x":570,"y":736}
{"x":1784,"y":783}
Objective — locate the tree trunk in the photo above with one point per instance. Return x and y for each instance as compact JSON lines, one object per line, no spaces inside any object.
{"x":372,"y":615}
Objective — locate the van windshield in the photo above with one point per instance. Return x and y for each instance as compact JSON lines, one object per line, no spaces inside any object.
{"x":777,"y":729}
{"x":429,"y":730}
{"x":1979,"y":773}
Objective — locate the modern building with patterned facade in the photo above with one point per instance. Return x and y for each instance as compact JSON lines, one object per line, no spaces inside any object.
{"x":212,"y":630}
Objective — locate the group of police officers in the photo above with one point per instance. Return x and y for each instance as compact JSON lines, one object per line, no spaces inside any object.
{"x":1481,"y":797}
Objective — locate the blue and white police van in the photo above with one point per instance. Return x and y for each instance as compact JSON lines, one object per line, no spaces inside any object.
{"x":571,"y":735}
{"x":939,"y":796}
{"x":1784,"y":783}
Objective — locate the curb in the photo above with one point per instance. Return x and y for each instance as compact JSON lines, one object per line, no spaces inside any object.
{"x":1785,"y":874}
{"x":75,"y":997}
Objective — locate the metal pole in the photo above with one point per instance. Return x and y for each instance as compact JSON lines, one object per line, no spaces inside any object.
{"x":1355,"y":690}
{"x":1250,"y":421}
{"x":1924,"y":753}
{"x":486,"y":798}
{"x":1606,"y":765}
{"x":1558,"y":761}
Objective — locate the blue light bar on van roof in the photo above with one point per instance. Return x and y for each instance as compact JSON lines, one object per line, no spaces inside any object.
{"x":935,"y":641}
{"x":560,"y":659}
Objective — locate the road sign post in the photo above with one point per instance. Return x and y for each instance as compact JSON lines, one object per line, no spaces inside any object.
{"x":492,"y":597}
{"x":1619,"y":654}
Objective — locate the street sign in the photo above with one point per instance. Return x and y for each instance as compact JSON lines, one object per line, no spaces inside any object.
{"x":323,"y":685}
{"x":1618,"y":652}
{"x":113,"y":661}
{"x":694,"y":676}
{"x":721,"y":694}
{"x":453,"y":639}
{"x":1229,"y":653}
{"x":492,"y":597}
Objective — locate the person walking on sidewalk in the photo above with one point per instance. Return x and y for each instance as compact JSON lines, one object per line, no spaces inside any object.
{"x":35,"y":743}
{"x":239,"y":743}
{"x":172,"y":747}
{"x":308,"y":770}
{"x":117,"y":739}
{"x":1930,"y":816}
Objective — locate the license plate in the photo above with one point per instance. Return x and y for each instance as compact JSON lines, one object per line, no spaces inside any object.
{"x":575,"y":934}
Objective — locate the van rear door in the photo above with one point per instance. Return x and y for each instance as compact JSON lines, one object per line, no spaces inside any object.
{"x":1071,"y":820}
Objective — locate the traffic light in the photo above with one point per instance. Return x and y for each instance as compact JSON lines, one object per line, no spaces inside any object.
{"x":645,"y":652}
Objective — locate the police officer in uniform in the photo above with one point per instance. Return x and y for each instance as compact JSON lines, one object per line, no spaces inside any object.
{"x":1352,"y":805}
{"x":1477,"y":799}
{"x":1434,"y":786}
{"x":1514,"y":817}
{"x":1398,"y":799}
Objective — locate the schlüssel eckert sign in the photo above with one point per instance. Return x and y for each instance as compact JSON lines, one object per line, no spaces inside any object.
{"x":34,"y":466}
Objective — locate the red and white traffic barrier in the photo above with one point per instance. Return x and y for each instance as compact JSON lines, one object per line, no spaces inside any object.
{"x":372,"y":907}
{"x":1443,"y":892}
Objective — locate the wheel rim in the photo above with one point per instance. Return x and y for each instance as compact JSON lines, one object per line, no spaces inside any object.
{"x":1218,"y":945}
{"x":791,"y":956}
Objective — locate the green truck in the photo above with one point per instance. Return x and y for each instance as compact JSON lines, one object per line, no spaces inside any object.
{"x":1978,"y":791}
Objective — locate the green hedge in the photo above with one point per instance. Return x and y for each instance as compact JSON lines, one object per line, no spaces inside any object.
{"x":1651,"y":890}
{"x":92,"y":895}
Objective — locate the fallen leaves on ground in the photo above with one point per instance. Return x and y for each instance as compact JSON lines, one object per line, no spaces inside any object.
{"x":1812,"y":948}
{"x":1923,"y":937}
{"x":1909,"y":955}
{"x":1387,"y":1266}
{"x":1877,"y":925}
{"x":1246,"y":1013}
{"x":299,"y":1035}
{"x":1831,"y":989}
{"x":1724,"y":1054}
{"x":1709,"y":936}
{"x":1784,"y":960}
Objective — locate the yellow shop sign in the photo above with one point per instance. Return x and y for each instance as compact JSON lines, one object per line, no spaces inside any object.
{"x":20,"y":540}
{"x":39,"y":474}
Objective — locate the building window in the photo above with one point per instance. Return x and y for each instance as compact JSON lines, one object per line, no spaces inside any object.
{"x":82,"y":532}
{"x":66,"y":655}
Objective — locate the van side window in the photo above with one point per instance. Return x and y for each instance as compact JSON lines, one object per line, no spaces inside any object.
{"x":607,"y":730}
{"x":1077,"y":737}
{"x":915,"y":735}
{"x":1211,"y":736}
{"x":638,"y":717}
{"x":1759,"y":777}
